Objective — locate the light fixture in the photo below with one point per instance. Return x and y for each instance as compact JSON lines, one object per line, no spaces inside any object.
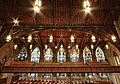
{"x":107,"y":46}
{"x":37,"y":6}
{"x":90,"y":76}
{"x":61,"y":46}
{"x":92,"y":46}
{"x":36,"y":9}
{"x":87,"y":10}
{"x":72,"y":38}
{"x":8,"y":38}
{"x":51,"y":38}
{"x":68,"y":46}
{"x":113,"y":38}
{"x":15,"y":46}
{"x":16,"y":22}
{"x":46,"y":46}
{"x":29,"y":38}
{"x":55,"y":47}
{"x":86,"y":4}
{"x":38,"y":3}
{"x":76,"y":46}
{"x":30,"y":46}
{"x":93,"y":38}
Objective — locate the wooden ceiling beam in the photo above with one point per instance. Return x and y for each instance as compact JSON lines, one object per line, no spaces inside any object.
{"x":71,"y":26}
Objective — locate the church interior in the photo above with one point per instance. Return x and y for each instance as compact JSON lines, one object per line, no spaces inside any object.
{"x":59,"y":42}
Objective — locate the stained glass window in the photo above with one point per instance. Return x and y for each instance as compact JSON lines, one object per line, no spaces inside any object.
{"x":76,"y":74}
{"x":61,"y":55}
{"x":22,"y":56}
{"x":48,"y":55}
{"x":61,"y":74}
{"x":87,"y":56}
{"x":35,"y":55}
{"x":74,"y":54}
{"x":103,"y":74}
{"x":47,"y":75}
{"x":89,"y":74}
{"x":99,"y":55}
{"x":32,"y":75}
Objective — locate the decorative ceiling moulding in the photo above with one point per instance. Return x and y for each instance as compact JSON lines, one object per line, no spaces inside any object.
{"x":64,"y":26}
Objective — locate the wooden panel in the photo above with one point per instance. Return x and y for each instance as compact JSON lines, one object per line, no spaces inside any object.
{"x":3,"y":81}
{"x":110,"y":69}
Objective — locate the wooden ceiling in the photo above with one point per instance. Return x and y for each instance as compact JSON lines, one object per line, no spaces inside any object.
{"x":59,"y":18}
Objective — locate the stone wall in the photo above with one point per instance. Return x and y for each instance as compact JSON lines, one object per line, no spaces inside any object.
{"x":115,"y":77}
{"x":110,"y":54}
{"x":7,"y":50}
{"x":117,"y":26}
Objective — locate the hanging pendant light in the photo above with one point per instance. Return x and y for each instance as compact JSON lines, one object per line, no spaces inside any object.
{"x":113,"y":38}
{"x":16,"y":22}
{"x":69,"y":47}
{"x":51,"y":38}
{"x":86,"y":4}
{"x":87,"y":10}
{"x":72,"y":38}
{"x":76,"y":46}
{"x":31,"y":46}
{"x":29,"y":38}
{"x":46,"y":46}
{"x":15,"y":46}
{"x":37,"y":6}
{"x":92,"y":46}
{"x":107,"y":46}
{"x":38,"y":3}
{"x":8,"y":38}
{"x":93,"y":38}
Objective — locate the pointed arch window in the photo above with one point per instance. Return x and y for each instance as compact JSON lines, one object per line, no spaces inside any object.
{"x":87,"y":55}
{"x":47,"y":75}
{"x":104,"y":74}
{"x":61,"y":75}
{"x":22,"y":56}
{"x":32,"y":75}
{"x":99,"y":55}
{"x":48,"y":55}
{"x":61,"y":55}
{"x":90,"y":75}
{"x":74,"y":54}
{"x":35,"y":55}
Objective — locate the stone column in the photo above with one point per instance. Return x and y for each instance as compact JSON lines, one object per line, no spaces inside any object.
{"x":94,"y":59}
{"x":115,"y":77}
{"x":42,"y":54}
{"x":67,"y":56}
{"x":54,"y":55}
{"x":117,"y":26}
{"x":28,"y":53}
{"x":81,"y":59}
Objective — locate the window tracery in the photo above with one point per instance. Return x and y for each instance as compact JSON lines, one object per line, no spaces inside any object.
{"x":35,"y":55}
{"x":99,"y":55}
{"x":87,"y":55}
{"x":74,"y":54}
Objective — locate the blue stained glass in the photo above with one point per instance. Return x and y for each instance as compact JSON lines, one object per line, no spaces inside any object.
{"x":35,"y":55}
{"x":48,"y":55}
{"x":99,"y":55}
{"x":22,"y":56}
{"x":61,"y":55}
